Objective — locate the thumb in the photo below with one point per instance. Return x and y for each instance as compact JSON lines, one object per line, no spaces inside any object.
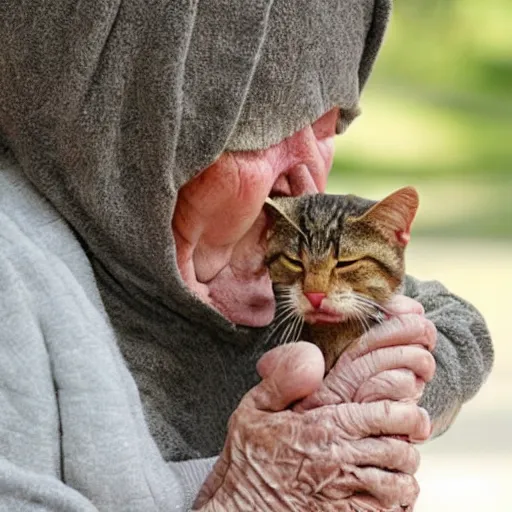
{"x":290,"y":373}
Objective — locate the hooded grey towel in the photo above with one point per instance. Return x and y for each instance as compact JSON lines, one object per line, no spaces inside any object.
{"x":106,"y":109}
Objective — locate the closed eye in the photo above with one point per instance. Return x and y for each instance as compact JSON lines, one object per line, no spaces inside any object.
{"x":291,"y":263}
{"x":347,"y":263}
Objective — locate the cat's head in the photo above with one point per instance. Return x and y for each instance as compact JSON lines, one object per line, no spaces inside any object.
{"x":331,"y":256}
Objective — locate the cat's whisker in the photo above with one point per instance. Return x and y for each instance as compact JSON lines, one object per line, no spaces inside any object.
{"x":378,"y":318}
{"x":287,"y":332}
{"x":288,"y":304}
{"x":301,"y":326}
{"x":285,"y":307}
{"x":275,"y":330}
{"x":281,"y":322}
{"x":373,"y":310}
{"x":366,"y":323}
{"x":377,"y":312}
{"x":368,"y":311}
{"x":365,"y":305}
{"x":282,"y":288}
{"x":283,"y":294}
{"x":283,"y":298}
{"x":361,"y":315}
{"x":357,"y":318}
{"x":363,"y":310}
{"x":366,"y":300}
{"x":371,"y":302}
{"x":297,"y":328}
{"x":283,"y":302}
{"x":279,"y":316}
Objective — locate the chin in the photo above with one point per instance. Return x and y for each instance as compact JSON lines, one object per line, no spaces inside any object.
{"x":256,"y":315}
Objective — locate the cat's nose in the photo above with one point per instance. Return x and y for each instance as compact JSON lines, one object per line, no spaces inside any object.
{"x":315,"y":298}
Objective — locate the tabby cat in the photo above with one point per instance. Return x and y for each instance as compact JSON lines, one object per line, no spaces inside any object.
{"x":334,"y":261}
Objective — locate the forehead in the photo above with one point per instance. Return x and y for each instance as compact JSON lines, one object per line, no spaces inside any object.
{"x":323,"y":219}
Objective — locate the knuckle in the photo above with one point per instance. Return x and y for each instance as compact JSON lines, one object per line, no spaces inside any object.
{"x":403,"y":455}
{"x":411,"y":322}
{"x":424,"y":423}
{"x":371,"y":361}
{"x":411,"y":488}
{"x":335,"y":390}
{"x":423,"y":363}
{"x":419,"y":308}
{"x":414,"y":457}
{"x":431,"y":332}
{"x":429,"y":365}
{"x":388,"y":408}
{"x":425,"y":416}
{"x":414,"y":307}
{"x":400,"y":322}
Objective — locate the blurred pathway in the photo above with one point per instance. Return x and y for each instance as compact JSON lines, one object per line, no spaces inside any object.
{"x":469,"y":468}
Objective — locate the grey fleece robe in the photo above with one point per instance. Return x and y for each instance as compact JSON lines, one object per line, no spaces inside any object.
{"x":111,"y":371}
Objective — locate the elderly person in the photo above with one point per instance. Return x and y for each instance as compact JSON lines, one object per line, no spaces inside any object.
{"x":139,"y":141}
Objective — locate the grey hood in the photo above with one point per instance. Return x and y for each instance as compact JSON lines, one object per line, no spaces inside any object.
{"x":110,"y":106}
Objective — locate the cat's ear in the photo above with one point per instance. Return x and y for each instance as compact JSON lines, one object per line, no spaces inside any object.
{"x":281,"y":207}
{"x":394,"y":214}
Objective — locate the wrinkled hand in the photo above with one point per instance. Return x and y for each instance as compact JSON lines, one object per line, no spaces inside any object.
{"x":326,"y":459}
{"x":392,"y":361}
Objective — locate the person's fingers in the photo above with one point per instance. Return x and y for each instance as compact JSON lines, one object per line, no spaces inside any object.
{"x":383,"y":418}
{"x":269,"y":361}
{"x":338,"y":452}
{"x":413,"y":358}
{"x":290,"y":373}
{"x":387,"y":488}
{"x":376,"y":489}
{"x":400,"y":304}
{"x":383,"y":452}
{"x":343,"y":382}
{"x":401,"y":330}
{"x":396,"y":385}
{"x":323,"y":396}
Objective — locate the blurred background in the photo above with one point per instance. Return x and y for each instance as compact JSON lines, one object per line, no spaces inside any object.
{"x":437,"y":114}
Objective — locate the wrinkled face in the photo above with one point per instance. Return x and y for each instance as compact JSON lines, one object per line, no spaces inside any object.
{"x":220,"y":228}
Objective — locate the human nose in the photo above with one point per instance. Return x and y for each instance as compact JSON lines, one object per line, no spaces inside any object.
{"x":309,"y":162}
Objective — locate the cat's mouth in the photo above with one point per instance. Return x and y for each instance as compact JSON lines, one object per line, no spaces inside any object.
{"x":320,"y":317}
{"x":324,"y":314}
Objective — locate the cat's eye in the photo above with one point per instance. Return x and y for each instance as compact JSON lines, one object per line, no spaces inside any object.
{"x":346,"y":263}
{"x":291,"y":263}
